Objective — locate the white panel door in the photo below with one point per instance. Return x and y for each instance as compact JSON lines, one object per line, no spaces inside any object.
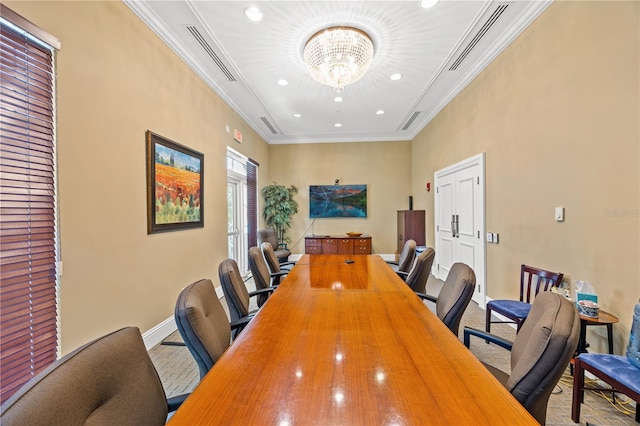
{"x":445,"y":237}
{"x":465,"y":182}
{"x":460,"y":220}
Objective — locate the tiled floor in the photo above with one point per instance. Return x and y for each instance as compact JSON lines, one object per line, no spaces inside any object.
{"x":179,"y":373}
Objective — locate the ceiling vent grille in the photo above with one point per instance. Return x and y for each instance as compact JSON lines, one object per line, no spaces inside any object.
{"x":410,"y":121}
{"x":266,"y":122}
{"x":481,"y":32}
{"x":196,"y":34}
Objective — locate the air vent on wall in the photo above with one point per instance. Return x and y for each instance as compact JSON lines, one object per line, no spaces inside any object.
{"x":266,"y":122}
{"x":196,"y":34}
{"x":413,"y":117}
{"x":476,"y":38}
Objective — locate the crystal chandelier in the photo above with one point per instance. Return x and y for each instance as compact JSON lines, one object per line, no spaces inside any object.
{"x":338,"y":56}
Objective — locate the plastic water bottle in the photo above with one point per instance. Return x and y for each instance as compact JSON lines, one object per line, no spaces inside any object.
{"x":633,"y":350}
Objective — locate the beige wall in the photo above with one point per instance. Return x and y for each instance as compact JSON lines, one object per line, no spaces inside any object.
{"x":557,"y":114}
{"x":382,"y":166}
{"x":115,"y":80}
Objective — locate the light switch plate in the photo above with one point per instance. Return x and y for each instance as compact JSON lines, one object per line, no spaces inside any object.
{"x":495,"y":238}
{"x":489,"y":237}
{"x":559,"y":214}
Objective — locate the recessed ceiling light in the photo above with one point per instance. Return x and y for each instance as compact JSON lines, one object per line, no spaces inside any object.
{"x":297,"y":115}
{"x":337,"y":125}
{"x":396,"y":76}
{"x":283,"y":82}
{"x":253,"y":14}
{"x":337,"y":99}
{"x":428,"y":3}
{"x":379,"y":112}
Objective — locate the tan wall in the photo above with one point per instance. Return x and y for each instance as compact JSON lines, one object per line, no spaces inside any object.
{"x":115,"y":80}
{"x":557,"y":114}
{"x":383,"y":166}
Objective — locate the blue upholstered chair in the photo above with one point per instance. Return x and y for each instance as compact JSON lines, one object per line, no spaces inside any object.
{"x":532,"y":281}
{"x":616,"y":370}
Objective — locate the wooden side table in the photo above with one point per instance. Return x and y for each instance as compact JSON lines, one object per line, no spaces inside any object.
{"x":604,"y":318}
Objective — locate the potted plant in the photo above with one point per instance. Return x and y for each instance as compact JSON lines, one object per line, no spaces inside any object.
{"x":279,"y":207}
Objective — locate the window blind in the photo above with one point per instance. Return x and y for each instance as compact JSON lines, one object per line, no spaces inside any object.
{"x":28,"y":326}
{"x":252,"y":203}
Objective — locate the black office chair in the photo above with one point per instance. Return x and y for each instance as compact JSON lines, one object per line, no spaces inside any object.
{"x":406,"y":259}
{"x":532,"y":281}
{"x":236,"y":293}
{"x":109,"y":381}
{"x":269,"y":235}
{"x":454,"y":296}
{"x":203,"y":324}
{"x":273,"y":263}
{"x":540,"y":352}
{"x":261,"y":275}
{"x":419,"y":274}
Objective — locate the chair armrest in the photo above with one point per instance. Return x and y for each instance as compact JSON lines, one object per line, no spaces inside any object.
{"x":240,"y":323}
{"x":175,"y":402}
{"x":402,"y":275}
{"x":287,"y":263}
{"x":262,"y":291}
{"x":391,"y":262}
{"x":278,"y":274}
{"x":427,"y":296}
{"x":468,"y":332}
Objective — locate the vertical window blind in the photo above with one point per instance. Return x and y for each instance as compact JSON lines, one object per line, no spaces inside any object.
{"x":28,"y":312}
{"x":252,"y":203}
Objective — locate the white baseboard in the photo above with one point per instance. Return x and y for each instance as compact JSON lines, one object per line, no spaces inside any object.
{"x":388,"y":257}
{"x":163,"y":330}
{"x":160,"y":332}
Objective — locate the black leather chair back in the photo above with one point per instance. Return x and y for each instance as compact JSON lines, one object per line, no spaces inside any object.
{"x":109,"y":381}
{"x":202,"y":323}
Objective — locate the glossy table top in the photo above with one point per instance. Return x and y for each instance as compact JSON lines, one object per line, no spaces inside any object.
{"x":603,"y":317}
{"x":348,"y":344}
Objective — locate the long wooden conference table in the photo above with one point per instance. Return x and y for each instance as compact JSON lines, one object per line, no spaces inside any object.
{"x":348,"y":344}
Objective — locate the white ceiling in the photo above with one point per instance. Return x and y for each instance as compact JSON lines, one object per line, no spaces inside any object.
{"x":421,"y":44}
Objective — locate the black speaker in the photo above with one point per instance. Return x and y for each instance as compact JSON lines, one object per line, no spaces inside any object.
{"x":410,"y":202}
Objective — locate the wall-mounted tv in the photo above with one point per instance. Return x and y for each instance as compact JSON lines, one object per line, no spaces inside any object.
{"x":337,"y":201}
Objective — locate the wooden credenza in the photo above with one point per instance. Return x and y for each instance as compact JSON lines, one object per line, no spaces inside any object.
{"x":337,"y":244}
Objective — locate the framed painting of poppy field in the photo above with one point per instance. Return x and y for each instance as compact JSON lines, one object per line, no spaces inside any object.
{"x":174,"y":185}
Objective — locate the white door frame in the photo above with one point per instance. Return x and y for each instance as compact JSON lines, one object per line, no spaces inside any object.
{"x":480,"y":294}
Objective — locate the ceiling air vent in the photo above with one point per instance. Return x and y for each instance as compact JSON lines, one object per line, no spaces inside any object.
{"x":413,"y":117}
{"x":266,"y":122}
{"x":476,"y":38}
{"x":196,"y":34}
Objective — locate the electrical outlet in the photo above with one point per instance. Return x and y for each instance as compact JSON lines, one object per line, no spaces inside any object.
{"x":489,"y":237}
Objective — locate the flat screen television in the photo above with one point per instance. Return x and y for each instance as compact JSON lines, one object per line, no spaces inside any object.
{"x":337,"y":201}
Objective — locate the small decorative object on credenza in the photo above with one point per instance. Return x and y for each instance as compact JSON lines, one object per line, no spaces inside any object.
{"x":354,"y":234}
